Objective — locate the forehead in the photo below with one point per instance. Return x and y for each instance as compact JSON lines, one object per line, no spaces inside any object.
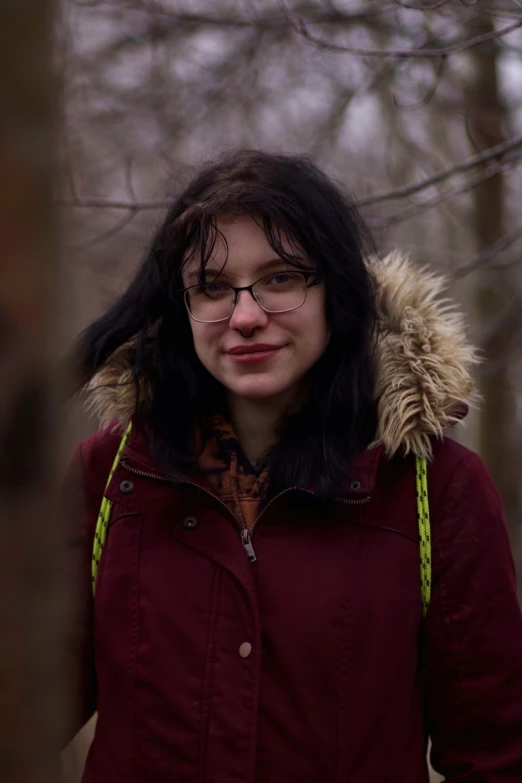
{"x":241,"y":250}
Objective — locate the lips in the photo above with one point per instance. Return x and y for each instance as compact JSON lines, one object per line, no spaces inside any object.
{"x":253,"y":354}
{"x":240,"y":350}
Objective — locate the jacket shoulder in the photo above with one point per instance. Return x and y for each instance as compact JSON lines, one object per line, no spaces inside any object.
{"x":467,"y":511}
{"x":449,"y":445}
{"x":449,"y":459}
{"x":457,"y":465}
{"x":458,"y":483}
{"x":451,"y":451}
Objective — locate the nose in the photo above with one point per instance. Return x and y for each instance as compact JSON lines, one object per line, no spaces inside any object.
{"x":247,"y":315}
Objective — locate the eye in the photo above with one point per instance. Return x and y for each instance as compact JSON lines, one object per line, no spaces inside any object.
{"x":214,"y":290}
{"x":281,"y":278}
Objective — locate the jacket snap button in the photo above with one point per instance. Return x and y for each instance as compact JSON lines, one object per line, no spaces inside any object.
{"x":126,"y":487}
{"x":190,"y":523}
{"x":355,"y":485}
{"x":245,"y":649}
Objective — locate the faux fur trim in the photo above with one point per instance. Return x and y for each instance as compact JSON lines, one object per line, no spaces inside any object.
{"x":424,"y":359}
{"x":111,"y":395}
{"x":424,"y":362}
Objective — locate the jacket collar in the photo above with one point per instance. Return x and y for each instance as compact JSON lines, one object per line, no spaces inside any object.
{"x":359,"y":483}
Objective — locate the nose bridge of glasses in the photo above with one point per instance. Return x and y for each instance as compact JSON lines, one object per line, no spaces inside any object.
{"x":249,"y":291}
{"x":246,"y":308}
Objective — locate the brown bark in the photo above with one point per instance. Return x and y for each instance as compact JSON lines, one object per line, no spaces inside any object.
{"x":30,"y":702}
{"x":486,"y":123}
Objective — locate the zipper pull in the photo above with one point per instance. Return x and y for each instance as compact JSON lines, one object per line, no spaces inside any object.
{"x":246,"y":535}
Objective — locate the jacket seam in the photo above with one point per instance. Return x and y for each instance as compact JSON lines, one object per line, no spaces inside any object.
{"x":133,"y":657}
{"x":206,"y":697}
{"x":386,"y":529}
{"x":256,"y":683}
{"x":342,"y":752}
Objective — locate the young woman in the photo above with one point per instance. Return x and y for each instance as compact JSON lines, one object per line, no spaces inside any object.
{"x":257,"y":612}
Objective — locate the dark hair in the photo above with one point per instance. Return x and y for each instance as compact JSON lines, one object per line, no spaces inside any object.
{"x":288,"y":195}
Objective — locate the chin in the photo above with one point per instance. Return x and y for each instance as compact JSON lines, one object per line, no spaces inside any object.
{"x":257,"y":388}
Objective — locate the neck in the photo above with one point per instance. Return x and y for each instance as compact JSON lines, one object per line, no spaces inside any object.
{"x":256,"y":423}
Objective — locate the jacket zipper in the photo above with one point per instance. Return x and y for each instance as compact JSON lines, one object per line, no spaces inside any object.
{"x":245,"y":533}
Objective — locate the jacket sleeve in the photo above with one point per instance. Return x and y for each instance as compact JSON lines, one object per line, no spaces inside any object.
{"x":473,"y":635}
{"x":79,"y":513}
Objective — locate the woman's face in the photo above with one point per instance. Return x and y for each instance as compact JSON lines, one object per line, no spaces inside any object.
{"x":295,"y":339}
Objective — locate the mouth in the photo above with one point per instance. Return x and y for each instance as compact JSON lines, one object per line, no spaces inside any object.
{"x":252,"y":354}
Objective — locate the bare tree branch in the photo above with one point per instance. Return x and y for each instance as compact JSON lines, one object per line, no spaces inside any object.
{"x":187,"y":20}
{"x":134,"y":206}
{"x":128,"y":180}
{"x":476,"y":160}
{"x":489,"y":254}
{"x":415,"y":210}
{"x":431,"y":92}
{"x":490,"y":154}
{"x":301,"y":28}
{"x":423,"y":6}
{"x":118,"y":226}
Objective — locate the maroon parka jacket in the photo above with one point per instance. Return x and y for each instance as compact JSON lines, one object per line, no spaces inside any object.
{"x":305,"y":665}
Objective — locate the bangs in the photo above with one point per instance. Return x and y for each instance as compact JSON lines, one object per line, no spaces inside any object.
{"x":203,"y":235}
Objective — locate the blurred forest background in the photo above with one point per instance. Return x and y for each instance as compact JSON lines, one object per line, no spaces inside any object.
{"x":415,"y":106}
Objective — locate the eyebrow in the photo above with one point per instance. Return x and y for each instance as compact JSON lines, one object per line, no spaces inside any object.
{"x":194,"y":275}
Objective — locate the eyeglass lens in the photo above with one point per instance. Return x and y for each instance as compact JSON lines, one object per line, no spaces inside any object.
{"x":275,"y":293}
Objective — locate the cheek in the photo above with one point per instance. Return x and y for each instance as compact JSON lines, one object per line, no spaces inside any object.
{"x":314,"y":330}
{"x":318,"y":340}
{"x":205,"y":337}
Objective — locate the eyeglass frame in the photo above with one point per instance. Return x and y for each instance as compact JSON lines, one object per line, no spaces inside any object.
{"x":306,"y":273}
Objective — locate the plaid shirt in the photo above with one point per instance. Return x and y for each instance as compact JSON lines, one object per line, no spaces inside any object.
{"x":229,"y":473}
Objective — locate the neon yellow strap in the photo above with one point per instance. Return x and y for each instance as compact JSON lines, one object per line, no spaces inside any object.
{"x":104,"y":514}
{"x":423,"y":516}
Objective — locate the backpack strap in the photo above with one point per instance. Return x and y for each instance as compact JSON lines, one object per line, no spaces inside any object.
{"x":104,"y":514}
{"x":423,"y":519}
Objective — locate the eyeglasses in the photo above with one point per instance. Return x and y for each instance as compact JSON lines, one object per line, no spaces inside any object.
{"x":276,"y":293}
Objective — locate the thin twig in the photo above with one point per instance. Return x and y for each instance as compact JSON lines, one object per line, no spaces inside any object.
{"x":460,"y":168}
{"x":128,"y":179}
{"x":119,"y":226}
{"x":301,"y":28}
{"x":488,"y":254}
{"x":93,"y":203}
{"x":431,"y":92}
{"x":421,"y":7}
{"x":417,"y":209}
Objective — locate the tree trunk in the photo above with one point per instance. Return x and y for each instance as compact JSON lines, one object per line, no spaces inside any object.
{"x":486,"y":121}
{"x":30,"y":702}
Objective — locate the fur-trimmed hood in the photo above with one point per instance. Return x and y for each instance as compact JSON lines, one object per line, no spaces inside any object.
{"x":424,"y":362}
